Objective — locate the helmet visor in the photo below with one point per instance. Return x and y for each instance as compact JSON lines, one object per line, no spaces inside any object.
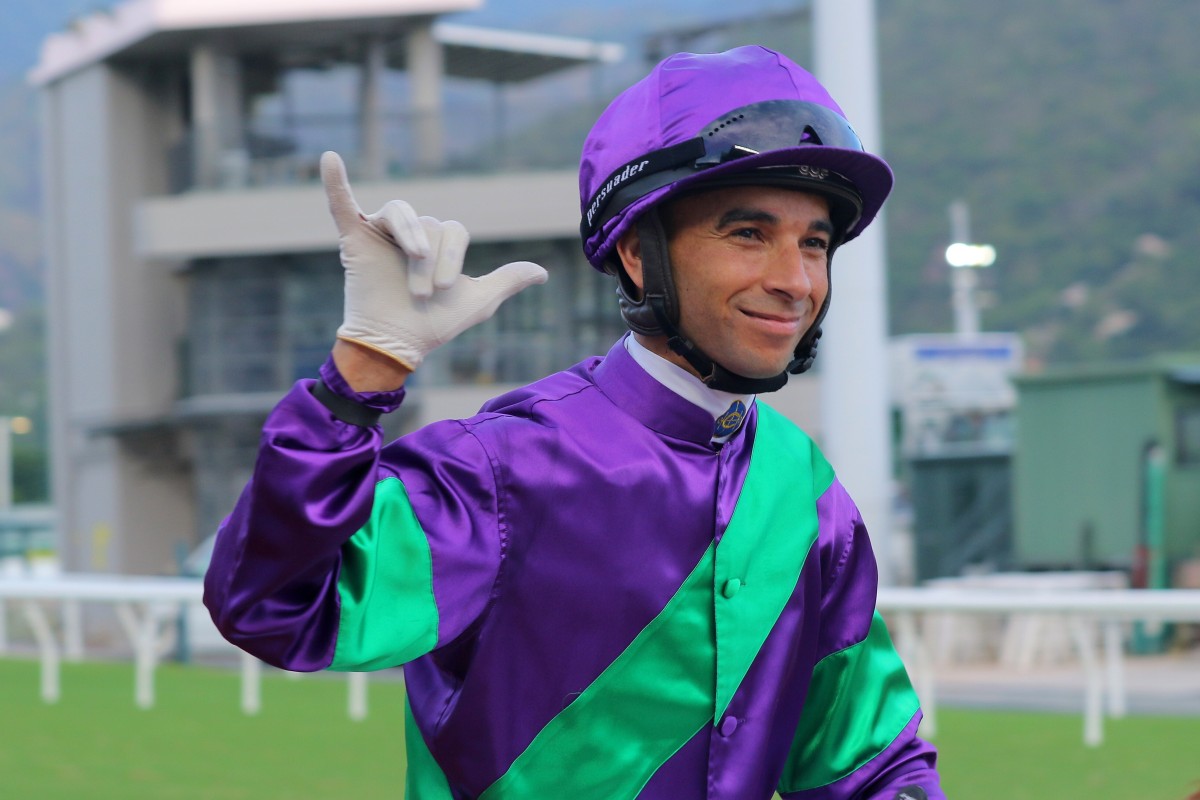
{"x":750,"y":130}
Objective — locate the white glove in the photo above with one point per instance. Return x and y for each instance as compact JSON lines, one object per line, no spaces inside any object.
{"x":405,"y":291}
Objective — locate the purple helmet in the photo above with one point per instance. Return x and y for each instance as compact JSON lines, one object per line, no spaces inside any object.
{"x":748,"y":115}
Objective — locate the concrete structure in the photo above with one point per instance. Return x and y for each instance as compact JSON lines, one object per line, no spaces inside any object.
{"x":853,"y":366}
{"x":193,"y":269}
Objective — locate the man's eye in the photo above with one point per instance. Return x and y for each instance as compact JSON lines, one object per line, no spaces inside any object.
{"x":816,"y":243}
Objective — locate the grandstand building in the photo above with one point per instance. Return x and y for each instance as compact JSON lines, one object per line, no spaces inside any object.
{"x":193,"y":273}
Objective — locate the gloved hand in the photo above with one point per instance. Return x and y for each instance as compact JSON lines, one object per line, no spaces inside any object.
{"x":405,"y":291}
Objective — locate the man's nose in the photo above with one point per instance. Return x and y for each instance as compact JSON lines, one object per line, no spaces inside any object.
{"x":790,"y":273}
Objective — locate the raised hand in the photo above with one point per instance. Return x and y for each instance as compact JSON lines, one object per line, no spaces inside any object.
{"x":405,"y":291}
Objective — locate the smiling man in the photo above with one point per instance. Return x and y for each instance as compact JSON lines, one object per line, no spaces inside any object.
{"x":632,"y":578}
{"x":751,"y":266}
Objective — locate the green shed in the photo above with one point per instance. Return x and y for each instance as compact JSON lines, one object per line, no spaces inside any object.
{"x":1106,"y":468}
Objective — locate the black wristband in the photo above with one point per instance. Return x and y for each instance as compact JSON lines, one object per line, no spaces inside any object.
{"x":344,"y":409}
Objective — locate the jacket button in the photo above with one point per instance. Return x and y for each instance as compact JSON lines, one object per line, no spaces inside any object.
{"x":731,"y":587}
{"x":728,"y":726}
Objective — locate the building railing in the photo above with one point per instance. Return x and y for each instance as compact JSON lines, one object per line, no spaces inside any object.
{"x":1094,"y":618}
{"x":272,"y":151}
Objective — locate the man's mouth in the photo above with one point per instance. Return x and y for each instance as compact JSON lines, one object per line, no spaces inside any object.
{"x":786,"y":324}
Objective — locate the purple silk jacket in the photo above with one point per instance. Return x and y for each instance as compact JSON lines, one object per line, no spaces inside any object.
{"x":528,"y":566}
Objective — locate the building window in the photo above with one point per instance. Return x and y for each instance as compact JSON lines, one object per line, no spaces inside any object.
{"x":1187,"y":437}
{"x":541,"y":330}
{"x":260,"y":324}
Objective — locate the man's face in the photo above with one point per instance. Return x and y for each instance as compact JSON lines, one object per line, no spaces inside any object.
{"x":751,"y":271}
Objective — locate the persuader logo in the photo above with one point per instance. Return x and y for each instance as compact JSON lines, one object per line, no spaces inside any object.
{"x":616,"y":179}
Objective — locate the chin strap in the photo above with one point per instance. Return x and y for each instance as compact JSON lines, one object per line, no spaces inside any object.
{"x":806,"y":350}
{"x":654,"y":313}
{"x":715,"y":376}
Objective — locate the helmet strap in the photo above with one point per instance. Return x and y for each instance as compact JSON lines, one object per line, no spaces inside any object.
{"x":658,"y":294}
{"x":806,"y":351}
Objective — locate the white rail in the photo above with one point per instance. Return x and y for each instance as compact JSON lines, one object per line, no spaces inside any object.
{"x":1092,"y":616}
{"x":145,"y":607}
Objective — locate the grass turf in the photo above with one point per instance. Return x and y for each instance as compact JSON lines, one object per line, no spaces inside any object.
{"x":985,"y":755}
{"x":195,"y":743}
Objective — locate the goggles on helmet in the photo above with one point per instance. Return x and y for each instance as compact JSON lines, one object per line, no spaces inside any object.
{"x":751,"y":130}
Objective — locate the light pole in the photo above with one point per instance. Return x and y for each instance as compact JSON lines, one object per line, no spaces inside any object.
{"x":6,"y":498}
{"x":9,"y":426}
{"x":6,"y":469}
{"x":965,"y":259}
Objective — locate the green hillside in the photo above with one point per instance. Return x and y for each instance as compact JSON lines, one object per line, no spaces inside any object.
{"x":1072,"y":129}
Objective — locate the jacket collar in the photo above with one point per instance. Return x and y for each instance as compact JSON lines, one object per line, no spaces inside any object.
{"x":629,"y":386}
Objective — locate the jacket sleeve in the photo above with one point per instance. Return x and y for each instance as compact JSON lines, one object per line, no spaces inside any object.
{"x":857,"y":735}
{"x":342,"y":553}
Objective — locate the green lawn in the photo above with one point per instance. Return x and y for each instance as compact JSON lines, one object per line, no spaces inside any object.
{"x":94,"y":744}
{"x":987,"y":755}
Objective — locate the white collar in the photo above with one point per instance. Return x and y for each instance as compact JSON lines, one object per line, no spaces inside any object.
{"x":684,"y":383}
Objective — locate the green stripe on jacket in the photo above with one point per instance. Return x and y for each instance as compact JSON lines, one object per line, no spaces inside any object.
{"x":773,"y":527}
{"x":859,"y":701}
{"x":423,"y":778}
{"x":389,"y":615}
{"x":671,"y":681}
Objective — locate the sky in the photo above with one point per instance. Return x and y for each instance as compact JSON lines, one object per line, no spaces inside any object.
{"x":26,"y":24}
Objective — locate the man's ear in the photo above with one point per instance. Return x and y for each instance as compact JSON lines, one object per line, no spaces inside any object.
{"x":629,"y":253}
